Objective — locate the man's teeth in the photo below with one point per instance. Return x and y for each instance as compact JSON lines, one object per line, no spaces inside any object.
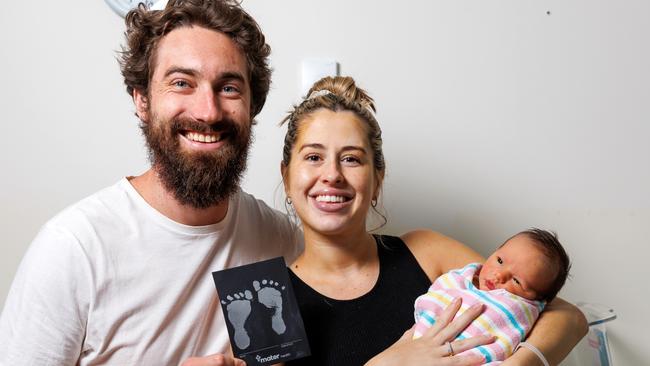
{"x":199,"y":137}
{"x":337,"y":199}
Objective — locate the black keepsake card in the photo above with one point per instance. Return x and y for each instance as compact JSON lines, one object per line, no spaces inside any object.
{"x":261,"y":312}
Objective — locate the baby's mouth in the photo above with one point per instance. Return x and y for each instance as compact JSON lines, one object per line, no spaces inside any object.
{"x":489,"y":284}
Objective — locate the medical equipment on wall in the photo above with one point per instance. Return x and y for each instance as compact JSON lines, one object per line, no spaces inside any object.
{"x":594,"y":350}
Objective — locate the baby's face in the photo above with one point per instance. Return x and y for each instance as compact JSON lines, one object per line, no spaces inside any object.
{"x":519,"y":267}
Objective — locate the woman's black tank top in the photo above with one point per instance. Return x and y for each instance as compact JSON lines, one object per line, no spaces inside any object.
{"x":351,"y":332}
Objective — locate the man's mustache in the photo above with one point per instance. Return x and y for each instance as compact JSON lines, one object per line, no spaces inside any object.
{"x":224,"y":125}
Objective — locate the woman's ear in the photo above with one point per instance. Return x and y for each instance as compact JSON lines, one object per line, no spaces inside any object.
{"x":380,"y":181}
{"x":141,"y":105}
{"x":284,"y":170}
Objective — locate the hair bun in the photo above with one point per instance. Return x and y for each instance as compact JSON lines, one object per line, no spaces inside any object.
{"x":343,"y":87}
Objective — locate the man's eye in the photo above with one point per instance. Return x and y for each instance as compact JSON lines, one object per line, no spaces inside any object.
{"x":499,"y":260}
{"x":230,"y":89}
{"x":181,"y":84}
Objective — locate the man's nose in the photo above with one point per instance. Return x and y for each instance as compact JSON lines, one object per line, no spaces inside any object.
{"x":206,"y":107}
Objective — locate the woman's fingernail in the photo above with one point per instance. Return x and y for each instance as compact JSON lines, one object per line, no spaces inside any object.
{"x":477,"y":306}
{"x":456,"y":301}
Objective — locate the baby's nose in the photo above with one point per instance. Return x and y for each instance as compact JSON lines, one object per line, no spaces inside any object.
{"x":501,"y":276}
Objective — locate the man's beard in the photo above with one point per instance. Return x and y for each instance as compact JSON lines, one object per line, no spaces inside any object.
{"x":200,"y":179}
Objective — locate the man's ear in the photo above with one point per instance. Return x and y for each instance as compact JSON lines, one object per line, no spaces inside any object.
{"x":141,"y":105}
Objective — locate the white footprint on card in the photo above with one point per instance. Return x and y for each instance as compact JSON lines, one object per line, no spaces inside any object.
{"x":269,"y":294}
{"x":238,"y":308}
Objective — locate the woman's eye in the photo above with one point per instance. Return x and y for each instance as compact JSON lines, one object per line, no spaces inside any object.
{"x":312,"y":158}
{"x":499,"y":260}
{"x":351,"y":159}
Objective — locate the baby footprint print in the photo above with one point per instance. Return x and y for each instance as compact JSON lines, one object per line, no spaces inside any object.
{"x":269,"y":295}
{"x":238,"y":308}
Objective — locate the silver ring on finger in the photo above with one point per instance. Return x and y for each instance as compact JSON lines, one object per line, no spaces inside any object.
{"x":450,"y":349}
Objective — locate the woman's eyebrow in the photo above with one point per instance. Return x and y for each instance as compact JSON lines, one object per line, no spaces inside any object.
{"x":313,"y":146}
{"x":352,"y":147}
{"x":322,"y":147}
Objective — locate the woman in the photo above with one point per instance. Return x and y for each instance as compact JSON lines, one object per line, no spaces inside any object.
{"x":356,"y":290}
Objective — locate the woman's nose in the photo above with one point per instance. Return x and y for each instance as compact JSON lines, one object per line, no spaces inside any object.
{"x":332,"y":173}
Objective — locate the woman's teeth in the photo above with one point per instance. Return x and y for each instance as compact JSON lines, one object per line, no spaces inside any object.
{"x":199,"y":137}
{"x":336,"y":199}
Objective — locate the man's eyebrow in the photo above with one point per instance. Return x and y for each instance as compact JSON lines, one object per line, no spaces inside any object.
{"x":232,"y":75}
{"x":181,"y":70}
{"x":228,"y":75}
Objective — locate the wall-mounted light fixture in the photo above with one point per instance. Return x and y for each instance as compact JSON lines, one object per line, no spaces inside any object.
{"x":121,"y":7}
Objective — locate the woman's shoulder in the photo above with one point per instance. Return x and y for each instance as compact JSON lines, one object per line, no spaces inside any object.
{"x":437,"y":253}
{"x":432,"y":242}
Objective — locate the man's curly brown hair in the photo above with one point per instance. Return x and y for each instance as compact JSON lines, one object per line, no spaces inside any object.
{"x":145,"y":28}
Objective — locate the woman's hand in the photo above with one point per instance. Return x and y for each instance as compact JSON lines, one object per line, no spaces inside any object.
{"x":214,"y":360}
{"x":433,"y":348}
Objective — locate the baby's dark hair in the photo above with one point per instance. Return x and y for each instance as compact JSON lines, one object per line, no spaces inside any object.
{"x":550,"y":245}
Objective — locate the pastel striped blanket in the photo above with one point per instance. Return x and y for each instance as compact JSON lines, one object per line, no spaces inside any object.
{"x":507,"y":316}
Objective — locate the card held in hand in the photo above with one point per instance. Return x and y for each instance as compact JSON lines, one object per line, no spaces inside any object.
{"x":261,"y":312}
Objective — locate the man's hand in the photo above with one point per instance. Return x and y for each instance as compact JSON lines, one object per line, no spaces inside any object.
{"x":217,"y":359}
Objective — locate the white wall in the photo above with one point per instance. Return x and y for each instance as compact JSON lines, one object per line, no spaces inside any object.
{"x":497,"y":116}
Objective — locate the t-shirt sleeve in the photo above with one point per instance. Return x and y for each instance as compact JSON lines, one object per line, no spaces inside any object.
{"x":296,"y":241}
{"x":287,"y":235}
{"x":45,"y":313}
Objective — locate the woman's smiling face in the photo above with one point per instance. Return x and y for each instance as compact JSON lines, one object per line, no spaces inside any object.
{"x":331,"y":178}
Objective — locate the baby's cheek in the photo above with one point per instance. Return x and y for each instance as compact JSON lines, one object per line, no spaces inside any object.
{"x":513,"y":289}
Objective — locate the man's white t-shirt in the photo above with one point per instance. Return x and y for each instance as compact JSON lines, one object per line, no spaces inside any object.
{"x":110,"y":280}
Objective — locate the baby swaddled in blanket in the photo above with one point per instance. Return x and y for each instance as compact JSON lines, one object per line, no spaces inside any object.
{"x":514,"y":284}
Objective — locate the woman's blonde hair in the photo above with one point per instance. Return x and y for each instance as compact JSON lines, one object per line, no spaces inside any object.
{"x":337,"y":94}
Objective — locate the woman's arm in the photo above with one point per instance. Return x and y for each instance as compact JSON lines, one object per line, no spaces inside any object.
{"x":438,"y":254}
{"x":559,"y":328}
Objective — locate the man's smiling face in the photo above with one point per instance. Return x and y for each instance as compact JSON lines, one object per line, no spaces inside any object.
{"x":196,"y":118}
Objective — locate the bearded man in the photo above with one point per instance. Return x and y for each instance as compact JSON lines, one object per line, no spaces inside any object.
{"x":123,"y":277}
